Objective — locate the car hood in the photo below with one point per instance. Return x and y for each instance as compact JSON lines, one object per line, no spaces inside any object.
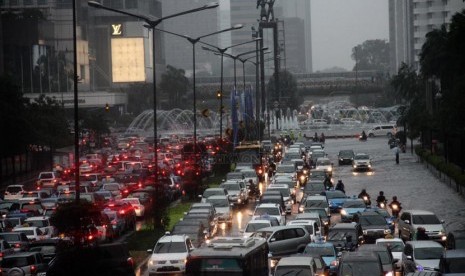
{"x":375,"y":227}
{"x":353,"y":210}
{"x":168,"y":256}
{"x":337,"y":201}
{"x":428,"y":264}
{"x":362,"y":161}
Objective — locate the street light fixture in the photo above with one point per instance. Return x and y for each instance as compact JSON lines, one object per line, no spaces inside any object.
{"x":151,"y":25}
{"x":222,"y":51}
{"x":194,"y":41}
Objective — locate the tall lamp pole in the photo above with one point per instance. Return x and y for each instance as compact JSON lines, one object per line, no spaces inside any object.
{"x":222,"y":51}
{"x":151,"y":24}
{"x":194,"y":41}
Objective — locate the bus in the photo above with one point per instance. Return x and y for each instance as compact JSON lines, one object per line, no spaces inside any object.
{"x":230,"y":256}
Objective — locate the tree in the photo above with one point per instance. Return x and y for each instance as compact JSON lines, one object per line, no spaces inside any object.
{"x":406,"y":83}
{"x":287,"y":87}
{"x":140,"y":98}
{"x":174,"y":86}
{"x":371,"y":55}
{"x":97,"y":124}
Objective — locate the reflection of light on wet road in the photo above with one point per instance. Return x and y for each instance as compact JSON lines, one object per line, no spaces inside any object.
{"x":260,"y":187}
{"x":139,"y":225}
{"x":355,"y":173}
{"x":239,"y":219}
{"x":370,"y":173}
{"x":223,"y":226}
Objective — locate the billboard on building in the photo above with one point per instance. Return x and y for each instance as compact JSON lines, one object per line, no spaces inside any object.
{"x":127,"y":59}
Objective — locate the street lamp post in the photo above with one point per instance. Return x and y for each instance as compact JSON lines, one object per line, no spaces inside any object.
{"x":151,"y":24}
{"x":222,"y":51}
{"x":194,"y":41}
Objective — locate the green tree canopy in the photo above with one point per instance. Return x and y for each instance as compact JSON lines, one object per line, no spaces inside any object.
{"x":288,"y":88}
{"x":174,"y":86}
{"x":371,"y":55}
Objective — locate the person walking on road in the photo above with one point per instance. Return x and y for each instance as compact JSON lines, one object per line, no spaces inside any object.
{"x":397,"y":151}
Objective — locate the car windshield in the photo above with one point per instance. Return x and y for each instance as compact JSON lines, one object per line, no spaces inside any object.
{"x":339,"y":235}
{"x":335,"y":194}
{"x":252,"y":227}
{"x":14,"y":189}
{"x":361,"y":269}
{"x":316,"y":203}
{"x":133,"y":201}
{"x":323,"y":163}
{"x":272,"y":211}
{"x":46,"y":176}
{"x":111,"y":187}
{"x":394,"y":246}
{"x":315,"y":187}
{"x":170,"y":247}
{"x":425,"y":219}
{"x":361,"y":157}
{"x":428,"y":253}
{"x":284,"y":191}
{"x":10,"y":237}
{"x":44,"y":249}
{"x":218,"y":202}
{"x":17,"y":261}
{"x":372,"y":220}
{"x":321,"y":212}
{"x":323,"y":251}
{"x":26,"y":232}
{"x":383,"y":212}
{"x":31,"y":194}
{"x":38,"y":223}
{"x":231,"y":187}
{"x":294,"y":270}
{"x":354,"y":204}
{"x":286,"y":169}
{"x":185,"y":229}
{"x":317,"y":174}
{"x":346,"y":153}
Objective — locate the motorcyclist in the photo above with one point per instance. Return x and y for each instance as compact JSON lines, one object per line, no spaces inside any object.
{"x":381,"y":200}
{"x":365,"y":196}
{"x":340,"y":186}
{"x":395,"y":206}
{"x":322,"y":138}
{"x":363,"y":136}
{"x":421,"y":235}
{"x":253,"y":188}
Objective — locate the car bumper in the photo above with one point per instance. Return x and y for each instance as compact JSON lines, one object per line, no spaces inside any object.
{"x":166,"y":268}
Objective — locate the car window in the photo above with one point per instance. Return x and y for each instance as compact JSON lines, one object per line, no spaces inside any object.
{"x":289,"y":234}
{"x":18,"y":261}
{"x":278,"y":236}
{"x":13,"y":189}
{"x":425,"y":219}
{"x":10,"y":237}
{"x":252,"y":227}
{"x":299,"y":232}
{"x":428,"y":253}
{"x":170,"y":247}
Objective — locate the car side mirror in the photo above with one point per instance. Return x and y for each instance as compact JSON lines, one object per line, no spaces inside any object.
{"x":407,"y":221}
{"x":272,"y":239}
{"x":443,"y":221}
{"x":394,"y":261}
{"x":241,"y":231}
{"x":409,"y":257}
{"x":199,"y":196}
{"x":149,"y":251}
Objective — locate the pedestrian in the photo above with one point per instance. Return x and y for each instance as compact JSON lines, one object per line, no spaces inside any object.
{"x":397,"y":151}
{"x":340,"y":186}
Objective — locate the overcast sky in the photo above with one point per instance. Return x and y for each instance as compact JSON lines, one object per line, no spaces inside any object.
{"x":339,"y":25}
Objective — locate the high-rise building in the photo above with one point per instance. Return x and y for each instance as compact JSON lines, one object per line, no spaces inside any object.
{"x":299,"y":9}
{"x":178,"y":51}
{"x":295,"y":53}
{"x":410,"y":21}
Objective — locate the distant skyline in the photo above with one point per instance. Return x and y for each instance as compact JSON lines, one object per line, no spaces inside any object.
{"x":339,"y":25}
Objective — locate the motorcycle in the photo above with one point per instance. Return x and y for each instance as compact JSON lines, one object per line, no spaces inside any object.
{"x":362,"y":138}
{"x":395,"y":209}
{"x":382,"y":204}
{"x":255,"y":192}
{"x":367,"y":200}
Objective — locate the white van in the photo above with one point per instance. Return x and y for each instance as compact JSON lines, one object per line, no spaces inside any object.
{"x":382,"y":130}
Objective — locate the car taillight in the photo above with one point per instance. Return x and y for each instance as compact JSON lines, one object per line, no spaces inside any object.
{"x":17,"y":245}
{"x":90,"y":237}
{"x":33,"y":269}
{"x":122,"y":212}
{"x":130,"y":261}
{"x":136,"y":207}
{"x":1,"y":254}
{"x":113,"y":222}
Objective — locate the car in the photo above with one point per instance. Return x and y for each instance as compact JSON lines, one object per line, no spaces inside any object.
{"x":24,"y":263}
{"x":421,"y":255}
{"x":396,"y":246}
{"x":270,"y":196}
{"x":360,"y":263}
{"x":5,"y":249}
{"x":284,"y":240}
{"x":325,"y":250}
{"x":335,"y":199}
{"x":345,"y":157}
{"x":222,"y":208}
{"x":390,"y":220}
{"x":361,"y":162}
{"x":316,"y":218}
{"x":410,"y":220}
{"x":212,"y":191}
{"x":305,"y":265}
{"x":319,"y":201}
{"x":136,"y":204}
{"x":32,"y":233}
{"x":33,"y":195}
{"x":104,"y":259}
{"x":285,"y":192}
{"x":456,"y":239}
{"x":373,"y":226}
{"x":314,"y":187}
{"x":310,"y":225}
{"x":255,"y":225}
{"x":452,"y":262}
{"x":18,"y":241}
{"x":236,"y":194}
{"x":323,"y":163}
{"x":49,"y":247}
{"x":382,"y":130}
{"x":169,"y":254}
{"x":48,"y":179}
{"x":350,"y":208}
{"x":13,"y":192}
{"x":345,"y":236}
{"x":196,"y":230}
{"x":270,"y":209}
{"x":43,"y":223}
{"x":385,"y":255}
{"x":325,"y":218}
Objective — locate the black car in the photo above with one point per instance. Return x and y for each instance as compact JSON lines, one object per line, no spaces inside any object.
{"x":373,"y":225}
{"x":345,"y":236}
{"x":360,"y":263}
{"x":345,"y":157}
{"x":49,"y":247}
{"x":456,"y":239}
{"x":107,"y":259}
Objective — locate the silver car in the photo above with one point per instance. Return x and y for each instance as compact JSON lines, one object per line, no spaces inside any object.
{"x":285,"y":240}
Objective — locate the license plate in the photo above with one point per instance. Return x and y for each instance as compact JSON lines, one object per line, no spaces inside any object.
{"x":42,"y":274}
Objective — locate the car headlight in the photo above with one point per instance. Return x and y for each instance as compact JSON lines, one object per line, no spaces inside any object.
{"x":365,"y":232}
{"x":152,"y":262}
{"x":369,"y":165}
{"x":301,"y":209}
{"x":343,"y":212}
{"x":390,"y":273}
{"x":238,"y":200}
{"x":443,"y":238}
{"x":329,"y":169}
{"x":342,"y":159}
{"x":387,"y":231}
{"x":273,"y":263}
{"x":334,"y":263}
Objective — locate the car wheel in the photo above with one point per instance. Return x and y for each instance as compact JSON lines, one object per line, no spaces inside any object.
{"x":16,"y":271}
{"x":371,"y":135}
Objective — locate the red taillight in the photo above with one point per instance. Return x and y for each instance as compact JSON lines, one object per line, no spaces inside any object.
{"x":113,"y":222}
{"x":126,"y":191}
{"x":140,"y":185}
{"x":130,"y":261}
{"x":122,"y":212}
{"x":17,"y":245}
{"x":136,"y":207}
{"x":90,"y":237}
{"x":1,"y":254}
{"x":33,"y":269}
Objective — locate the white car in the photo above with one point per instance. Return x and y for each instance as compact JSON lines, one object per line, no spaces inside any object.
{"x":169,"y":254}
{"x":362,"y":161}
{"x":323,"y":163}
{"x":271,"y":209}
{"x":222,"y":208}
{"x":350,"y":121}
{"x":254,"y":225}
{"x":138,"y":207}
{"x":14,"y":192}
{"x":33,"y":233}
{"x":43,"y":223}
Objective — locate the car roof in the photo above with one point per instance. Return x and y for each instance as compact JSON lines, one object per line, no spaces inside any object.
{"x":424,"y":244}
{"x":419,"y":212}
{"x":301,"y":222}
{"x":172,"y":238}
{"x":454,"y":253}
{"x":280,"y":227}
{"x":20,"y":254}
{"x":37,"y":218}
{"x":360,"y":256}
{"x":217,"y":197}
{"x":268,"y":205}
{"x":389,"y":240}
{"x":344,"y":225}
{"x":295,"y":260}
{"x":372,"y":247}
